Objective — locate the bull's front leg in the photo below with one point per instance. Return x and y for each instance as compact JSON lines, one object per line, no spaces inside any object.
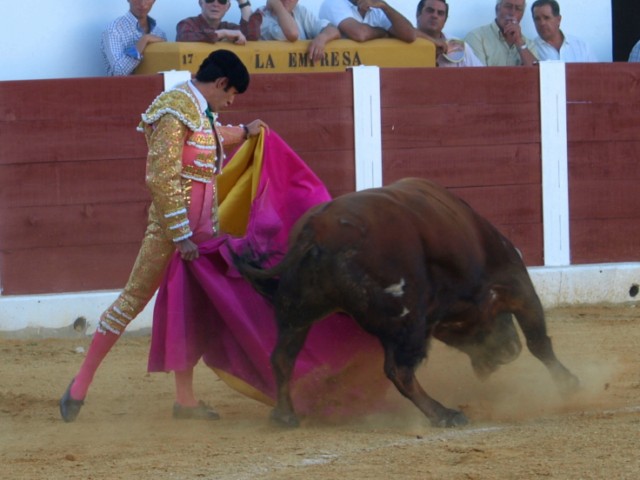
{"x":403,"y":377}
{"x":533,"y":325}
{"x":283,"y":360}
{"x":541,"y":348}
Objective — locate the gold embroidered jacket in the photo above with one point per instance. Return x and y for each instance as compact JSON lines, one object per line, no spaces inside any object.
{"x":183,"y":147}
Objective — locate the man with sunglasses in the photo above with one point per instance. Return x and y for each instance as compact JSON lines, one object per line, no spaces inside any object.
{"x":431,"y":15}
{"x":185,"y":155}
{"x":209,"y":26}
{"x":501,"y":43}
{"x":125,"y":39}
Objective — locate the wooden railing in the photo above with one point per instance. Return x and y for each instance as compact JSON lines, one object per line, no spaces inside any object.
{"x":287,"y":57}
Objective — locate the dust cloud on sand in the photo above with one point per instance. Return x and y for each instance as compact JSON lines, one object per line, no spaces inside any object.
{"x":516,"y":391}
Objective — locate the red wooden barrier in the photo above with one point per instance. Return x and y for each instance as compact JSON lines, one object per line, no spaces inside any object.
{"x":72,"y":196}
{"x":604,"y":154}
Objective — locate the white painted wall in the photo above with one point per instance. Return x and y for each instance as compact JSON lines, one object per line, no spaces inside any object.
{"x":61,"y":38}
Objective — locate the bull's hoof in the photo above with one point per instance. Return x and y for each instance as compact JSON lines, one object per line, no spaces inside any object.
{"x":569,"y":386}
{"x":282,"y":419}
{"x":452,"y":418}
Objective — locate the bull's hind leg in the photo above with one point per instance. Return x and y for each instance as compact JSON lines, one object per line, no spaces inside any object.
{"x":403,"y":377}
{"x":283,"y":360}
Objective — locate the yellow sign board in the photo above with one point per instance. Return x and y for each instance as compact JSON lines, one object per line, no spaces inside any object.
{"x":291,"y":57}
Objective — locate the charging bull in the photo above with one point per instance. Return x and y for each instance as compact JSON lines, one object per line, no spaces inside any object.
{"x":408,"y":262}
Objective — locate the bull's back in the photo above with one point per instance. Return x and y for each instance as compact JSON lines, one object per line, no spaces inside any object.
{"x":411,"y":223}
{"x":411,"y":235}
{"x":475,"y":245}
{"x":411,"y":214}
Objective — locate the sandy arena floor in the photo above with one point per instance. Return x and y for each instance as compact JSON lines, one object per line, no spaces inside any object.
{"x":520,"y":427}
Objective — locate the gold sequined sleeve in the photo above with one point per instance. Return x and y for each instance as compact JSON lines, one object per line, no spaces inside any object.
{"x":164,"y":165}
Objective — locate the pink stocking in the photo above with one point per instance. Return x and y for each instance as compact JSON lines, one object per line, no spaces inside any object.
{"x":100,"y":346}
{"x":184,"y":388}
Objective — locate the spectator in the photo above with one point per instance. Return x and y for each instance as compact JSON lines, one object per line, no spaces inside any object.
{"x":209,"y":27}
{"x":363,"y":20}
{"x":185,"y":154}
{"x":501,"y":43}
{"x":634,"y":56}
{"x":286,"y":20}
{"x":431,"y":16}
{"x":125,"y":39}
{"x":552,"y":43}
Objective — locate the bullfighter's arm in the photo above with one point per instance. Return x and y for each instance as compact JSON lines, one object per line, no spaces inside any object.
{"x":164,"y":166}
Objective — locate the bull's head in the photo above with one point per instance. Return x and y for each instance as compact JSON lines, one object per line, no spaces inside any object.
{"x":489,"y":342}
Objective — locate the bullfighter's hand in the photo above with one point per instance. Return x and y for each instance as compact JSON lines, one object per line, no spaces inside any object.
{"x":188,"y":250}
{"x":253,"y":128}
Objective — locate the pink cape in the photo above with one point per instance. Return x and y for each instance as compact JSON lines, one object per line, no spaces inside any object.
{"x":205,"y":309}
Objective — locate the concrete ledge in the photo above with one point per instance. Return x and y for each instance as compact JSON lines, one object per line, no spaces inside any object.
{"x":57,"y":313}
{"x":53,"y":315}
{"x":611,"y":283}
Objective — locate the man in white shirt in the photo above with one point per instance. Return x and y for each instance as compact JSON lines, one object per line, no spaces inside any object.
{"x":431,"y":15}
{"x":362,"y":20}
{"x":286,"y":20}
{"x":552,"y":43}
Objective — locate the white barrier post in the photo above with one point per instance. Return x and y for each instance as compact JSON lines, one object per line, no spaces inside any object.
{"x":555,"y":178}
{"x":367,"y":127}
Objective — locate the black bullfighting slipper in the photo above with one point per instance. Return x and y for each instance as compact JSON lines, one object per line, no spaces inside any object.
{"x":201,"y":412}
{"x":69,"y":407}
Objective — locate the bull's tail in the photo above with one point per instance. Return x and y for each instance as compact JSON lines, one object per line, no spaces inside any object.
{"x":264,"y":280}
